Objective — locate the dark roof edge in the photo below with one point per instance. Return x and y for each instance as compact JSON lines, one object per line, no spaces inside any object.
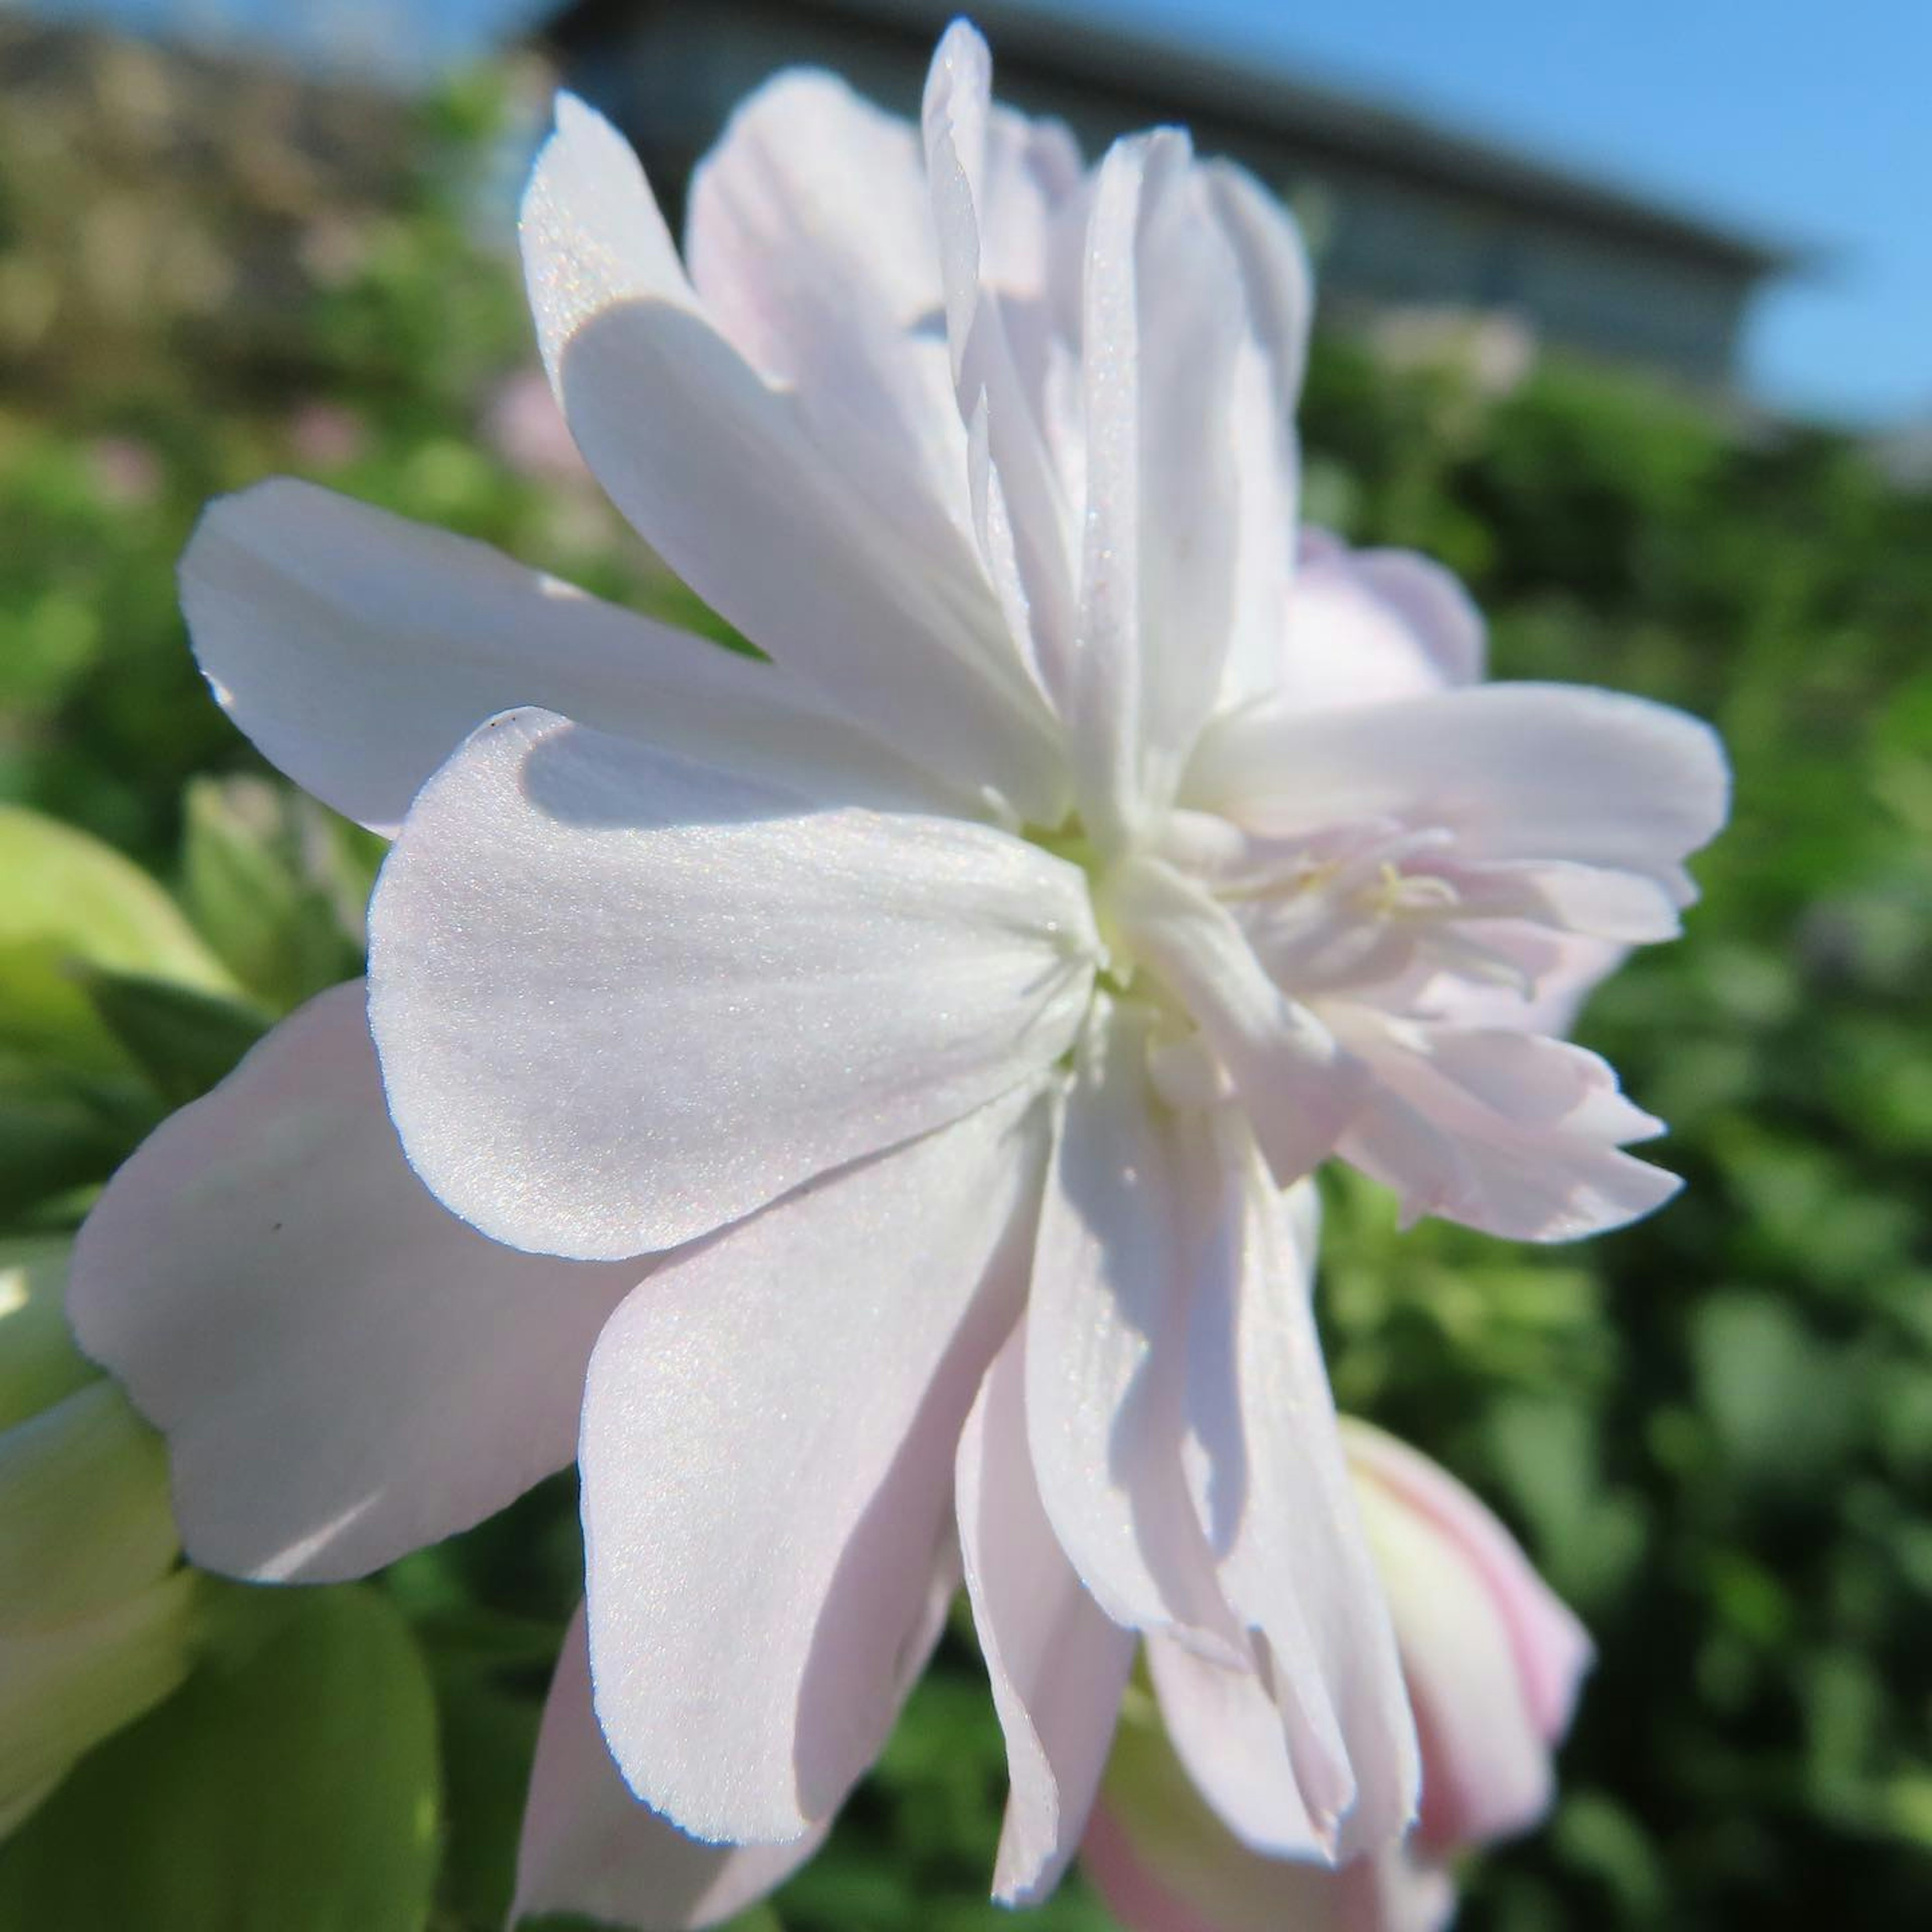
{"x":1258,"y":97}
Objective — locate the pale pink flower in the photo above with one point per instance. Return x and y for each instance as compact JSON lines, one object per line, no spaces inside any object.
{"x":326,"y":436}
{"x":524,"y":425}
{"x":1493,"y":1661}
{"x":946,"y":1007}
{"x":125,"y":470}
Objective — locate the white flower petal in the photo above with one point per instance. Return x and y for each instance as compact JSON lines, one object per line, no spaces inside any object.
{"x":1058,"y":1667}
{"x":1368,"y":626}
{"x":1515,"y":771}
{"x":1440,"y":614}
{"x":992,"y":177}
{"x":1300,"y":1088}
{"x":1280,"y":1510}
{"x":1162,"y":333}
{"x":851,"y":576}
{"x":1267,"y":477}
{"x":1628,"y":908}
{"x":1504,"y":1131}
{"x":1227,"y":1730}
{"x":1121,"y":1232}
{"x":358,"y":650}
{"x":768,"y":1445}
{"x":622,"y":999}
{"x":343,"y":1370}
{"x":1559,"y":992}
{"x":590,"y":1848}
{"x":811,"y":242}
{"x":1276,"y":281}
{"x":1279,"y":300}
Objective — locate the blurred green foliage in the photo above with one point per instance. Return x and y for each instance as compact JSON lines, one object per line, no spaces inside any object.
{"x":1713,"y":1431}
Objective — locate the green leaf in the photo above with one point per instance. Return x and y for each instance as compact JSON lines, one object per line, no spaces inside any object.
{"x":58,"y":1132}
{"x":295,"y":1791}
{"x":65,"y":887}
{"x":184,"y":1042}
{"x":45,"y":1013}
{"x":489,"y":1737}
{"x":1784,"y":1404}
{"x":39,"y":1363}
{"x":278,"y":886}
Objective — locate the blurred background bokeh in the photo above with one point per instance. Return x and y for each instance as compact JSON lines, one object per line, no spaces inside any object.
{"x":1670,"y":415}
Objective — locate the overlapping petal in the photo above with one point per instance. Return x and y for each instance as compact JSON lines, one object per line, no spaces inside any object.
{"x":590,"y":1848}
{"x":622,"y":999}
{"x":1275,"y":1496}
{"x":343,"y":1370}
{"x":1368,"y":626}
{"x":768,"y":1441}
{"x":994,"y":183}
{"x":1161,"y":332}
{"x":358,"y":650}
{"x":1187,"y":1458}
{"x":1120,"y":1229}
{"x":1228,"y":1731}
{"x":1515,"y":772}
{"x":811,"y":247}
{"x":845,"y":571}
{"x":1301,"y":1087}
{"x":1518,"y":1135}
{"x":1058,"y":1666}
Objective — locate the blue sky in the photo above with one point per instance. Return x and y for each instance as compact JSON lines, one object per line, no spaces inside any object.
{"x":1785,"y":117}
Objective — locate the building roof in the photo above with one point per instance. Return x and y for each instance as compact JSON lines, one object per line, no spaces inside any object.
{"x":1259,"y":98}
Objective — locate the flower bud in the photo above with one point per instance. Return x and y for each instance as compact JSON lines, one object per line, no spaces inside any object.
{"x":1492,"y":1661}
{"x":1491,"y":1658}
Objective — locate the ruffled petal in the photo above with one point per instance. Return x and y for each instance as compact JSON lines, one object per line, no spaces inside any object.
{"x":1514,"y":771}
{"x":768,"y":1451}
{"x":843,"y":568}
{"x":1558,"y":990}
{"x":1058,"y":1667}
{"x":1278,"y":286}
{"x":1162,"y":333}
{"x":622,"y":1000}
{"x":1518,"y":1135}
{"x":1301,"y":1087}
{"x":993,"y":180}
{"x":358,"y":649}
{"x":1275,"y":1498}
{"x":590,"y":1848}
{"x":810,"y":244}
{"x":1120,"y":1231}
{"x":1227,"y":1730}
{"x":343,"y":1370}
